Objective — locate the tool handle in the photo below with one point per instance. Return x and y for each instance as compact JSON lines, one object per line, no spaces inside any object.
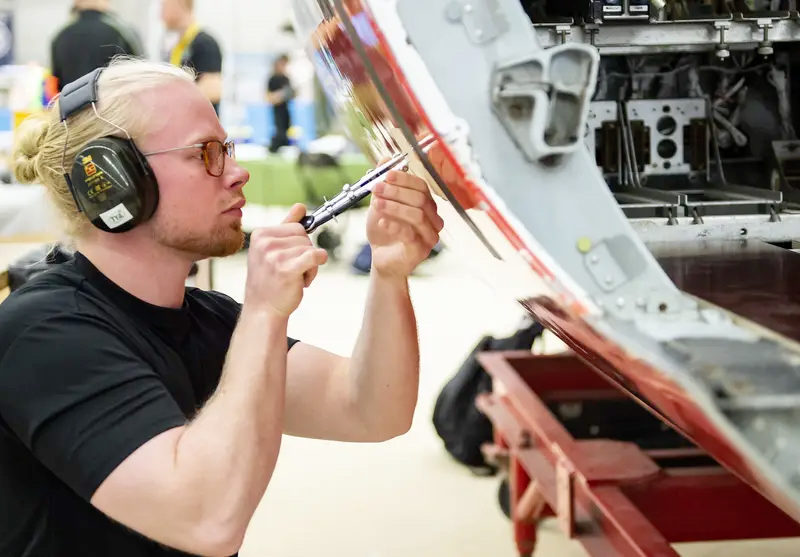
{"x":307,"y":222}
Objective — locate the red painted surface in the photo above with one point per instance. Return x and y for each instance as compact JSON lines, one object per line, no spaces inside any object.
{"x":610,"y":495}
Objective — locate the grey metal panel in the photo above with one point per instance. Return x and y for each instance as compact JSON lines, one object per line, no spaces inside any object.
{"x":579,"y":204}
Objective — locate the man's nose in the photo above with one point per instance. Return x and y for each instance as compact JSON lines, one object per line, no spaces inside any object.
{"x":238,"y":176}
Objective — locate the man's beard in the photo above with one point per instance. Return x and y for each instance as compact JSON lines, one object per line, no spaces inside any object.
{"x":221,"y":242}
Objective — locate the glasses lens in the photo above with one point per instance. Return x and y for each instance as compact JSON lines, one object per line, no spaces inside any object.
{"x":215,"y":158}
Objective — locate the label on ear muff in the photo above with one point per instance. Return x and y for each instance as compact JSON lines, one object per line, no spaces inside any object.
{"x":116,"y":216}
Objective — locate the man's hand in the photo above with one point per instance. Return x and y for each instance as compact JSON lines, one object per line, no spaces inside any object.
{"x":280,"y":263}
{"x":403,"y":225}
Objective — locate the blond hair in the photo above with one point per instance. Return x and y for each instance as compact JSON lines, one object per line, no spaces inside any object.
{"x":39,"y":143}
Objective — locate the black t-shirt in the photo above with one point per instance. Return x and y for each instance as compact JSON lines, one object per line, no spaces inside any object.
{"x":89,"y":373}
{"x":280,"y":111}
{"x":90,"y":42}
{"x":204,"y":56}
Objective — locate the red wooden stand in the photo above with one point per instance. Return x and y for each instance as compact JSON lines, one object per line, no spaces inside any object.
{"x":614,"y":497}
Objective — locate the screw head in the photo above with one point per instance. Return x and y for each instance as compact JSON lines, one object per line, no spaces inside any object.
{"x":585,"y":245}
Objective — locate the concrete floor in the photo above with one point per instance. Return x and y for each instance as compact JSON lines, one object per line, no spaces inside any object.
{"x":406,"y":497}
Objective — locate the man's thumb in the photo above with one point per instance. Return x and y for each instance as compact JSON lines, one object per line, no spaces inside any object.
{"x":297,"y":212}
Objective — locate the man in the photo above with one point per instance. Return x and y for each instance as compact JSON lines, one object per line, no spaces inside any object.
{"x":139,"y":417}
{"x":90,"y":41}
{"x":195,"y":48}
{"x":279,"y":93}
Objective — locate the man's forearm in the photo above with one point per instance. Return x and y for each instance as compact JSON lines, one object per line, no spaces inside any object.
{"x":226,"y":456}
{"x":384,"y":368}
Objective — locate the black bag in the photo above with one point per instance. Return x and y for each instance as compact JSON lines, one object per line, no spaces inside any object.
{"x":463,"y":427}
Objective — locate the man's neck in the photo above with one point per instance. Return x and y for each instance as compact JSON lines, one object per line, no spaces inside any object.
{"x":146,"y":270}
{"x":185,"y":22}
{"x":95,"y":5}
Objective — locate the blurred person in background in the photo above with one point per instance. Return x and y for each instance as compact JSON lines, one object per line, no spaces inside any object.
{"x":279,"y":93}
{"x":91,"y":39}
{"x":195,"y":48}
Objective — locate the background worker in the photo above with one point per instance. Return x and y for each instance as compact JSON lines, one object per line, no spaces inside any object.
{"x":90,"y":41}
{"x":195,"y":48}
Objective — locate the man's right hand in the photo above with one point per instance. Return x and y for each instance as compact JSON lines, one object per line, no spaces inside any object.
{"x":281,"y":262}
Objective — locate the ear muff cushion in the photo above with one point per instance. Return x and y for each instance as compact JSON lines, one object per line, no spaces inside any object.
{"x":113,"y":184}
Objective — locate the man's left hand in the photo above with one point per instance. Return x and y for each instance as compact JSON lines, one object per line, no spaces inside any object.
{"x":403,"y":225}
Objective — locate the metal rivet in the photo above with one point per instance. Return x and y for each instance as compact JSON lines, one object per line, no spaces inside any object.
{"x":467,"y":8}
{"x":608,"y":280}
{"x":453,"y":12}
{"x":620,"y":302}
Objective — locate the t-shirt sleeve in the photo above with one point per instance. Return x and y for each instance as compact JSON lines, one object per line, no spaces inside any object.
{"x":206,"y":55}
{"x":80,"y":399}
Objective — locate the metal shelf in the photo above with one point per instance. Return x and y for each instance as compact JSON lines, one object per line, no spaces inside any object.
{"x":672,"y":36}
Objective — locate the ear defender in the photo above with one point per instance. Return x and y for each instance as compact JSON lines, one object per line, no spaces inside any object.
{"x":113,"y":184}
{"x":110,"y":179}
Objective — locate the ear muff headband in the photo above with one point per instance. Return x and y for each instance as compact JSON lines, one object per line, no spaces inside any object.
{"x":110,"y":180}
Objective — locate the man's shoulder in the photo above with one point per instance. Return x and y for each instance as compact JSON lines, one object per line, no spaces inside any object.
{"x":45,"y":298}
{"x":52,"y":289}
{"x":66,"y":31}
{"x":205,"y":38}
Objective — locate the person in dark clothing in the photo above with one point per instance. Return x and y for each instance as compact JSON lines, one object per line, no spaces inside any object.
{"x":142,"y":418}
{"x":90,"y":41}
{"x":195,"y":48}
{"x":279,"y":93}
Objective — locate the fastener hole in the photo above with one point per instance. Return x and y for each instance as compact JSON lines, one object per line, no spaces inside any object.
{"x":666,"y":148}
{"x":662,"y":307}
{"x":666,"y":125}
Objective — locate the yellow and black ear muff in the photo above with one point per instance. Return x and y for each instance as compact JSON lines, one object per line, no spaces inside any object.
{"x":110,"y":179}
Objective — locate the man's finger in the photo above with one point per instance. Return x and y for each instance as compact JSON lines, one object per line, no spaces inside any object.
{"x":406,"y":180}
{"x":412,"y":198}
{"x":413,"y":216}
{"x":310,"y":260}
{"x":297,"y":212}
{"x":279,"y":231}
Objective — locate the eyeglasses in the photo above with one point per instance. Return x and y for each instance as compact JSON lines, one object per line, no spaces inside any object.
{"x":214,"y":152}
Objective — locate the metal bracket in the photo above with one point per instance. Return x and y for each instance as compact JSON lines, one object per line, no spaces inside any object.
{"x":542,"y":99}
{"x":765,"y":46}
{"x":723,"y":27}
